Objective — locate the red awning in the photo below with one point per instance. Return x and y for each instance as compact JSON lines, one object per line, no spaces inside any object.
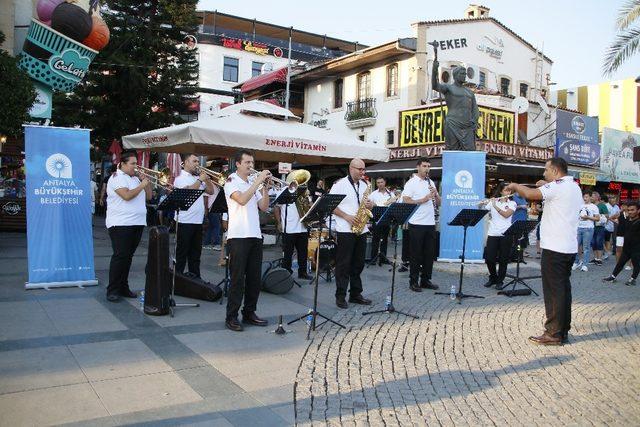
{"x":277,"y":76}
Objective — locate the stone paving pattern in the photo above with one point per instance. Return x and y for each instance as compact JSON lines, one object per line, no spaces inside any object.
{"x":69,"y":357}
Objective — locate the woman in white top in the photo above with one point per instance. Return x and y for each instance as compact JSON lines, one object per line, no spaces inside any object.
{"x":498,"y":246}
{"x":126,"y":219}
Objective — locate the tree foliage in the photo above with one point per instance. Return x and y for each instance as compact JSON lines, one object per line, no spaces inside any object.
{"x":18,"y":94}
{"x":145,"y":76}
{"x":627,"y":40}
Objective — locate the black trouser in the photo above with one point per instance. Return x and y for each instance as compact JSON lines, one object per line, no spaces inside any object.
{"x":406,"y":246}
{"x":299,"y":241}
{"x":556,"y":289}
{"x":379,"y":241}
{"x":625,"y":256}
{"x":124,"y":241}
{"x":498,"y":249}
{"x":189,"y":247}
{"x":350,"y":254}
{"x":245,"y":262}
{"x":422,"y":238}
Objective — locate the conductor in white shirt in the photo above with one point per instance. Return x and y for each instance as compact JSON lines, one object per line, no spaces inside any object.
{"x":420,"y":190}
{"x":125,"y":221}
{"x":244,"y":240}
{"x":558,"y":240}
{"x":189,"y":238}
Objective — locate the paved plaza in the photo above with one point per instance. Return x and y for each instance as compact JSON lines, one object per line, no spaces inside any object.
{"x":69,"y":357}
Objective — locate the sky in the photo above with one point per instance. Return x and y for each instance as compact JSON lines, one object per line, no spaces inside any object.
{"x":575,"y":33}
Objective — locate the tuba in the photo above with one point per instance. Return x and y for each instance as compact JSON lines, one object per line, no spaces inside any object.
{"x":363,"y":214}
{"x":300,"y":177}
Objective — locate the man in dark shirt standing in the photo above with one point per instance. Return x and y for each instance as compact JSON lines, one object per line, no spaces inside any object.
{"x":630,"y":247}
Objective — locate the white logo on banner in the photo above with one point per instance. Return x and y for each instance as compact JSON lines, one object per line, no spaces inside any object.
{"x":59,"y":166}
{"x":464,"y":179}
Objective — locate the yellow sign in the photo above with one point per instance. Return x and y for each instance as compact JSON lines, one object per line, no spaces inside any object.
{"x":587,"y":178}
{"x":426,"y":126}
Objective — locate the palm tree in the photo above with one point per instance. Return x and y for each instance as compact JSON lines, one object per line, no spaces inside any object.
{"x":627,"y":39}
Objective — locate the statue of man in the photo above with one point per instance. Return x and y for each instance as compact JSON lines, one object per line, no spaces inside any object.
{"x":461,"y":121}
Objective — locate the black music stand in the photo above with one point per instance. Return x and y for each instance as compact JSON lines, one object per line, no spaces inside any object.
{"x":377,"y":212}
{"x":319,"y":211}
{"x":286,"y":198}
{"x":519,"y":230}
{"x":466,"y":218}
{"x":395,"y":214}
{"x":179,"y":199}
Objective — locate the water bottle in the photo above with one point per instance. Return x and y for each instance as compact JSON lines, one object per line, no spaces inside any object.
{"x":309,"y":318}
{"x":387,"y":302}
{"x":141,"y":299}
{"x":452,"y":295}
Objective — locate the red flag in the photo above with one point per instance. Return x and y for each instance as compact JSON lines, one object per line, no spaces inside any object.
{"x":116,"y":150}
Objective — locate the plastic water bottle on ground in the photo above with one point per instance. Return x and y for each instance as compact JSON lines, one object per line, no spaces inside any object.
{"x":141,"y":299}
{"x":452,"y":295}
{"x":309,"y":318}
{"x":387,"y":302}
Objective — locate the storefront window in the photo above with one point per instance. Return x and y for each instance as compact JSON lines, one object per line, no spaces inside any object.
{"x":504,"y":86}
{"x":524,"y":89}
{"x":482,"y":79}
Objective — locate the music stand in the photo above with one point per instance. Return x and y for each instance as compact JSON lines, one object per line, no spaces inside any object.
{"x":395,"y":214}
{"x":519,"y":229}
{"x":179,"y":199}
{"x":319,"y":211}
{"x":466,"y":218}
{"x":286,"y":198}
{"x":377,"y":212}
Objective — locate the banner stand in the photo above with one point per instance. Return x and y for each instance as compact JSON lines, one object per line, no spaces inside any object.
{"x":59,"y":219}
{"x":79,"y":284}
{"x":463,"y":185}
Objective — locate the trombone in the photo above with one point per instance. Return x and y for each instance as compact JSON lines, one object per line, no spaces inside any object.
{"x":217,"y":177}
{"x":159,"y":178}
{"x":278,"y":184}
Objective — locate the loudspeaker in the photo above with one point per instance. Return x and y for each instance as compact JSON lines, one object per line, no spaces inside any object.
{"x":191,"y":286}
{"x":275,"y":279}
{"x":158,"y":282}
{"x":515,"y":292}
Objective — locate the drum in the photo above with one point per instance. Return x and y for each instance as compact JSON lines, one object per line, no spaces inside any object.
{"x":327,"y":255}
{"x":313,"y":243}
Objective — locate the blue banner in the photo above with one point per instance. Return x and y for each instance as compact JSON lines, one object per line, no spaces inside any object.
{"x":463,"y":179}
{"x":577,"y":138}
{"x":59,"y":230}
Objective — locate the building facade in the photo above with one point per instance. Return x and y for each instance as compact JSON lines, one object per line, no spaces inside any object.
{"x":233,"y":49}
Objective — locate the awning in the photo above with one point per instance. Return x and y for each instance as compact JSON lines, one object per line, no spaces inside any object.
{"x":277,"y":76}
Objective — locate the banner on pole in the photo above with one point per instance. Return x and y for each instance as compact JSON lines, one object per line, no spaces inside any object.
{"x":59,"y":231}
{"x":463,"y":179}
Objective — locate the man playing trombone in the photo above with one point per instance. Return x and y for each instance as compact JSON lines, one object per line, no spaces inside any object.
{"x":189,"y":237}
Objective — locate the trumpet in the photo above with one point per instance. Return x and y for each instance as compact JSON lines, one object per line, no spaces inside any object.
{"x":278,"y":184}
{"x":491,"y":200}
{"x":216,"y":177}
{"x":159,"y":178}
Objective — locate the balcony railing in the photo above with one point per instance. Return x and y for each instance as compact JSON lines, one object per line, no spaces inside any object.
{"x":361,"y":109}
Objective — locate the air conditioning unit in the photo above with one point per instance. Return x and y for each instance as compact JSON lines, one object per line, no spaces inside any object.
{"x":445,"y":75}
{"x":473,"y":74}
{"x":267,"y":67}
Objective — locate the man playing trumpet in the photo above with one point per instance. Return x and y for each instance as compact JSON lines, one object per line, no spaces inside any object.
{"x":189,"y":236}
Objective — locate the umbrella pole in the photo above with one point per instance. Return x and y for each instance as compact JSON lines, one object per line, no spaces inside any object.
{"x":286,"y":95}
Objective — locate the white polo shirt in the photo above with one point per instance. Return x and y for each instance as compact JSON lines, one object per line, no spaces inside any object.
{"x":379,"y":198}
{"x":290,"y":212}
{"x":417,"y":188}
{"x":559,"y":225}
{"x":121,"y":212}
{"x":244,"y":221}
{"x":587,"y":209}
{"x":350,"y":203}
{"x":195,"y":214}
{"x":499,"y":224}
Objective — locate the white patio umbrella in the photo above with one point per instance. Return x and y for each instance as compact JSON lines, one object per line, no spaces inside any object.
{"x":260,"y":127}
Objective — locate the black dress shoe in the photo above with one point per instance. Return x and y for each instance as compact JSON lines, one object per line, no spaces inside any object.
{"x":304,"y":276}
{"x":499,"y":286}
{"x":489,"y":283}
{"x":341,"y":302}
{"x":565,"y":339}
{"x":428,"y":285}
{"x":233,"y":325}
{"x":415,"y":288}
{"x":253,"y":319}
{"x":113,"y":298}
{"x":128,"y":293}
{"x":359,"y":299}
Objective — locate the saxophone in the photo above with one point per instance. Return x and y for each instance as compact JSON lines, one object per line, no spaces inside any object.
{"x":363,"y":214}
